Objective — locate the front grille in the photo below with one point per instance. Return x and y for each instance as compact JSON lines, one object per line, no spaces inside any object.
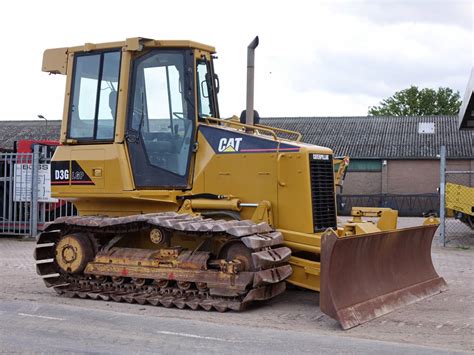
{"x":322,"y":192}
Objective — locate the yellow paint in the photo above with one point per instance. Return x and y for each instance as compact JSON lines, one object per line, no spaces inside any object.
{"x":460,"y":198}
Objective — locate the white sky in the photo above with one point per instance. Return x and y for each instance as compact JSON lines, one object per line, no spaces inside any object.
{"x":315,"y":58}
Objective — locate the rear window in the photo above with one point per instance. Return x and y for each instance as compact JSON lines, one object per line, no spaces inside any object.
{"x":93,"y":106}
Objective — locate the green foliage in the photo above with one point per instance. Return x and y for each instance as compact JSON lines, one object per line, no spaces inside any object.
{"x":415,"y":102}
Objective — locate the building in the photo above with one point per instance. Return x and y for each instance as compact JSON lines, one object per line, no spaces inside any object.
{"x":12,"y":131}
{"x":394,"y":160}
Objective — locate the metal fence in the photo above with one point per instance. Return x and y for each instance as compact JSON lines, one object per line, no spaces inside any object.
{"x":25,"y":193}
{"x":457,"y":197}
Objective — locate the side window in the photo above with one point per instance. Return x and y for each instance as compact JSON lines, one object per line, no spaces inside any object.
{"x":94,"y":96}
{"x":204,"y":100}
{"x":82,"y":113}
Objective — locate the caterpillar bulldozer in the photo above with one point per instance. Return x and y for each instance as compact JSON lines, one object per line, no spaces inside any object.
{"x":179,"y":207}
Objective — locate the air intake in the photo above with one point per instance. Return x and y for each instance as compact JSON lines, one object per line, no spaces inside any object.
{"x":322,"y":192}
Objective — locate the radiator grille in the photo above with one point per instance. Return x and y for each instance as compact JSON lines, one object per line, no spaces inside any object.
{"x":322,"y":192}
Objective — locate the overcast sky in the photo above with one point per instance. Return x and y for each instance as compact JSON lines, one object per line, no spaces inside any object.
{"x":315,"y":58}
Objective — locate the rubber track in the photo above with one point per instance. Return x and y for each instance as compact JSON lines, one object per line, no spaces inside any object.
{"x":269,"y":257}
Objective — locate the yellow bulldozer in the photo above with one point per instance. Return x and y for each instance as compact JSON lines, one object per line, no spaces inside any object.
{"x":179,"y":207}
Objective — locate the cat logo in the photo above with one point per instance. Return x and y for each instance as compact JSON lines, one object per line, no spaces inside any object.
{"x":229,"y":145}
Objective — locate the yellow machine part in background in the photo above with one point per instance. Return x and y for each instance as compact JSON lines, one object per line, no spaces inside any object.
{"x":460,"y":203}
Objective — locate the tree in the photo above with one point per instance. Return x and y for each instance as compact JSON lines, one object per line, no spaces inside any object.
{"x":415,"y":102}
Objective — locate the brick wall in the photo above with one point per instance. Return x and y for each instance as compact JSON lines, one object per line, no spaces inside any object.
{"x":412,"y":176}
{"x":404,"y":177}
{"x":361,"y":183}
{"x":461,"y":165}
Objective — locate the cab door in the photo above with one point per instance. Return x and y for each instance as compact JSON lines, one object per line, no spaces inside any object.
{"x":161,"y":119}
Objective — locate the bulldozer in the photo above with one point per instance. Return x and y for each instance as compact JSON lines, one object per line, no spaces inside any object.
{"x":181,"y":208}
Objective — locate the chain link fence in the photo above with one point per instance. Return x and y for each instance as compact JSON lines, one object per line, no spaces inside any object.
{"x":457,"y":195}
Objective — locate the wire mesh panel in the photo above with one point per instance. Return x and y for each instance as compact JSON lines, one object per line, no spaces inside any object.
{"x":15,"y":193}
{"x":17,"y":198}
{"x":459,"y":212}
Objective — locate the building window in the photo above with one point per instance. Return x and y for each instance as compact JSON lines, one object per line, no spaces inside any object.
{"x":363,"y":165}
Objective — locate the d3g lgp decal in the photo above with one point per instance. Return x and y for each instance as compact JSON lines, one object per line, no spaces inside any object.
{"x":62,"y":173}
{"x":224,"y":141}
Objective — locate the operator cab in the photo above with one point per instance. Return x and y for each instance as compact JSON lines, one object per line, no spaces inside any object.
{"x":168,"y":89}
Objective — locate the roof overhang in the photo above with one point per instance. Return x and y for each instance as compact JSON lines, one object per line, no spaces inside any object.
{"x":139,"y":43}
{"x":55,"y":60}
{"x":466,"y":112}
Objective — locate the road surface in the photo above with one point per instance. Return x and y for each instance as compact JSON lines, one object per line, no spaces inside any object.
{"x":291,"y":322}
{"x":31,"y":327}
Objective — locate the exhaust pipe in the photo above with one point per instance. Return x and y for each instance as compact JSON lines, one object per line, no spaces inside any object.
{"x":250,"y":81}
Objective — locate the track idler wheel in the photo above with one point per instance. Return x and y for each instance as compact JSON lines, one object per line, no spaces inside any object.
{"x":139,"y":282}
{"x":184,"y":285}
{"x":239,"y":252}
{"x":160,"y":237}
{"x":202,"y":286}
{"x":162,"y":283}
{"x":73,"y":252}
{"x":118,"y":280}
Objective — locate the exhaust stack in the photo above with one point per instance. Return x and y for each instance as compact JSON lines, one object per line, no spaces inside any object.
{"x":250,"y":81}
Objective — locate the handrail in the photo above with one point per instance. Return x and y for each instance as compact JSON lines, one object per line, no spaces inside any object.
{"x":298,"y":134}
{"x":259,"y":127}
{"x":243,"y":125}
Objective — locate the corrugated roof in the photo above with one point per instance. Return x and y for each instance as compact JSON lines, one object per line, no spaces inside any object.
{"x":11,"y":131}
{"x":382,"y":137}
{"x":359,"y":137}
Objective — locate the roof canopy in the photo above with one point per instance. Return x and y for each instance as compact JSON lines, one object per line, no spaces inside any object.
{"x":55,"y":59}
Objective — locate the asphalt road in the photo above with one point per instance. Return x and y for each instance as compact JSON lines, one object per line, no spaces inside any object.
{"x":29,"y":326}
{"x":35,"y":319}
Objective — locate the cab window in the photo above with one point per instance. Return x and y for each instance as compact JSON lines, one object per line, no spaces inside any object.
{"x":93,"y":107}
{"x":204,"y":97}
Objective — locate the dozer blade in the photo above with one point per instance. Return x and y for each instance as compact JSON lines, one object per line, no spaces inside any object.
{"x":364,"y":277}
